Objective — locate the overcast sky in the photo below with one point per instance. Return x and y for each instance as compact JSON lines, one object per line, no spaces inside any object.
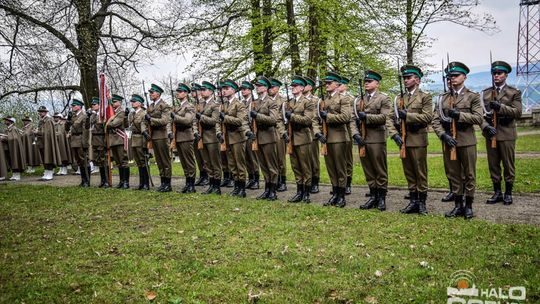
{"x":463,"y":44}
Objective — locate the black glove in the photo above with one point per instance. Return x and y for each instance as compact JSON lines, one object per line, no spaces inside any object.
{"x":488,"y":117}
{"x":489,"y":132}
{"x":69,"y":116}
{"x":196,"y":137}
{"x":126,"y":112}
{"x":221,"y":116}
{"x":362,"y":115}
{"x":496,"y":106}
{"x":147,"y":117}
{"x":285,"y":137}
{"x":323,"y":114}
{"x":250,"y":135}
{"x":398,"y":140}
{"x":449,"y":140}
{"x":172,"y":115}
{"x":454,"y":113}
{"x":170,"y":136}
{"x":146,"y":135}
{"x":198,"y":115}
{"x":89,"y":112}
{"x":220,"y":138}
{"x":320,"y":137}
{"x":359,"y":140}
{"x":402,"y":114}
{"x":253,"y":114}
{"x":288,"y":114}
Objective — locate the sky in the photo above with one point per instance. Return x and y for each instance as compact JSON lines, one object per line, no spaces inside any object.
{"x":469,"y":46}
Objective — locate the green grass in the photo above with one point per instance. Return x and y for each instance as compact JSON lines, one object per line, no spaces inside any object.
{"x":71,"y":245}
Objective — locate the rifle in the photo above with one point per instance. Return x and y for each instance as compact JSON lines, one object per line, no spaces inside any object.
{"x":453,"y":151}
{"x":286,"y":121}
{"x":223,"y":146}
{"x":361,"y":149}
{"x":402,"y":151}
{"x":493,"y":98}
{"x":149,"y":144}
{"x":321,"y":106}
{"x":172,"y":144}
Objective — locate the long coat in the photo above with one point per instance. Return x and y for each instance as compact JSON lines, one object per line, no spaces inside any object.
{"x":3,"y":159}
{"x":48,"y":142}
{"x":17,"y":159}
{"x":31,"y":150}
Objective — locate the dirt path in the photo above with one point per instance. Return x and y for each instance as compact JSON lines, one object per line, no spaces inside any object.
{"x":525,"y":210}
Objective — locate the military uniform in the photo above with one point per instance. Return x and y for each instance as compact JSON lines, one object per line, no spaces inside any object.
{"x":15,"y":150}
{"x":78,"y":128}
{"x":185,"y":125}
{"x":139,"y":136}
{"x":158,"y":117}
{"x":63,"y":144}
{"x":203,"y":173}
{"x":33,"y":159}
{"x":47,"y":144}
{"x":508,"y":108}
{"x":252,"y":162}
{"x":99,"y":147}
{"x":466,"y":112}
{"x":3,"y":159}
{"x":115,"y":129}
{"x":314,"y":155}
{"x":282,"y":142}
{"x":350,"y":98}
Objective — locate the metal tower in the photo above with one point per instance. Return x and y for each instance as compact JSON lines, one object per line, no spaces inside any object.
{"x":528,"y":53}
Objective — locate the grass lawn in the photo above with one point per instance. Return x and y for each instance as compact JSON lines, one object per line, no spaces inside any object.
{"x":71,"y":245}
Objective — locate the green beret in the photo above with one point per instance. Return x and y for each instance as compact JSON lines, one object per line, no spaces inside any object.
{"x":331,"y":76}
{"x":456,"y":68}
{"x":42,"y":109}
{"x":275,"y":83}
{"x":183,"y":87}
{"x":208,"y":86}
{"x":137,"y":98}
{"x":263,"y":81}
{"x":195,"y":86}
{"x":117,"y":98}
{"x":298,"y":80}
{"x":309,"y":81}
{"x":372,"y":75}
{"x":408,"y":70}
{"x":76,"y":102}
{"x":501,"y":66}
{"x":247,"y":85}
{"x":155,"y":88}
{"x":95,"y":100}
{"x":228,"y":83}
{"x":344,"y":80}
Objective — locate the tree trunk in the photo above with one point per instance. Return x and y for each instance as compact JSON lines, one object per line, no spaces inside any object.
{"x":88,"y":43}
{"x":313,"y":42}
{"x":267,"y":37}
{"x":256,"y":37}
{"x":293,"y":39}
{"x":409,"y":32}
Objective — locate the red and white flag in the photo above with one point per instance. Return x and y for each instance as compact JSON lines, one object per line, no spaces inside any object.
{"x":105,"y":106}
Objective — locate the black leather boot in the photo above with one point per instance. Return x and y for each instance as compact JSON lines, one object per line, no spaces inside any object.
{"x":299,"y":194}
{"x":255,"y":184}
{"x":241,"y":189}
{"x":236,"y":189}
{"x":412,"y":207}
{"x":381,"y":202}
{"x":507,"y":200}
{"x":141,"y":178}
{"x":211,"y":186}
{"x":191,"y":185}
{"x":250,"y":180}
{"x":468,"y":213}
{"x":162,"y":184}
{"x":264,"y":195}
{"x":372,"y":201}
{"x":314,"y":184}
{"x":422,"y":197}
{"x":104,"y":180}
{"x":332,"y":200}
{"x":186,"y":186}
{"x":203,"y":179}
{"x":225,"y":181}
{"x":458,"y":207}
{"x":145,"y":182}
{"x":348,"y":187}
{"x":306,"y":199}
{"x":217,"y":188}
{"x":166,"y":185}
{"x":450,"y":195}
{"x":121,"y":177}
{"x":125,"y":184}
{"x":272,"y":195}
{"x":340,"y":201}
{"x":85,"y":183}
{"x":282,"y":184}
{"x":497,"y":195}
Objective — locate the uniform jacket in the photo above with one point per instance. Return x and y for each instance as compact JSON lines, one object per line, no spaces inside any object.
{"x":79,"y":130}
{"x":184,"y":120}
{"x":138,"y":126}
{"x":511,"y":107}
{"x":302,"y":120}
{"x":98,"y":131}
{"x":116,"y":122}
{"x":377,"y":110}
{"x":236,"y":120}
{"x":266,"y":120}
{"x":160,"y":119}
{"x":339,"y":115}
{"x":210,"y":121}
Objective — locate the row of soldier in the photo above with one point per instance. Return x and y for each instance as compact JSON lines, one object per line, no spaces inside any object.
{"x":231,"y":137}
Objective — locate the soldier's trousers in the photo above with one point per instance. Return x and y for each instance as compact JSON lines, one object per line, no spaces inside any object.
{"x":268,"y":160}
{"x":98,"y":156}
{"x":315,"y":158}
{"x":252,"y":162}
{"x":80,"y":157}
{"x":336,"y":164}
{"x":301,"y":164}
{"x":212,"y":160}
{"x":138,"y":156}
{"x":415,"y":168}
{"x":163,"y":157}
{"x":349,"y":157}
{"x":187,"y":158}
{"x":199,"y":158}
{"x":375,"y":165}
{"x":282,"y":156}
{"x":236,"y":160}
{"x":504,"y":153}
{"x":462,"y":172}
{"x":119,"y":156}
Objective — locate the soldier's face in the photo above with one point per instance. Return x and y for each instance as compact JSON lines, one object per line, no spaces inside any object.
{"x":95,"y":107}
{"x":499,"y":77}
{"x":56,"y":119}
{"x":206,"y":93}
{"x":245,"y":92}
{"x":75,"y":108}
{"x":457,"y":79}
{"x":297,"y":90}
{"x":371,"y":85}
{"x":342,"y":88}
{"x":411,"y":81}
{"x":154,"y":95}
{"x":116,"y":104}
{"x":181,"y":94}
{"x":273,"y":90}
{"x":136,"y":105}
{"x":331,"y":86}
{"x":42,"y":114}
{"x":308,"y":88}
{"x":261,"y":89}
{"x":227,"y":91}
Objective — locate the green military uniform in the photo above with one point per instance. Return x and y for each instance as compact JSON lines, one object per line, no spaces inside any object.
{"x":266,"y":118}
{"x":211,"y":137}
{"x":417,"y":113}
{"x":505,"y":102}
{"x":139,"y":136}
{"x":336,"y":113}
{"x":373,"y":113}
{"x":184,"y":119}
{"x":99,"y":147}
{"x":315,"y":150}
{"x":15,"y":156}
{"x":78,"y":127}
{"x":463,"y":106}
{"x":350,"y":98}
{"x":158,"y":117}
{"x":252,"y":162}
{"x":283,"y":139}
{"x":235,"y":121}
{"x":301,"y":116}
{"x":116,"y":136}
{"x":203,"y":174}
